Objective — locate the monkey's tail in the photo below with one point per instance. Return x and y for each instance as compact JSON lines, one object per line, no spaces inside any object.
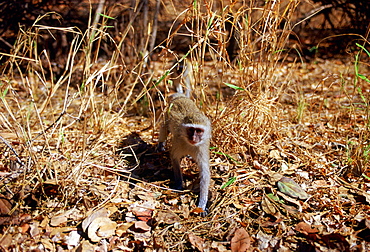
{"x":187,"y":78}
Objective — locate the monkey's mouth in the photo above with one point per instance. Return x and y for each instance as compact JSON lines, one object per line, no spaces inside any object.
{"x":195,"y":143}
{"x":192,"y":142}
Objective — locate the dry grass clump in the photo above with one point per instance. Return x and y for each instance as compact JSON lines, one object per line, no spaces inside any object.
{"x":247,"y":119}
{"x":60,"y":123}
{"x":245,"y":125}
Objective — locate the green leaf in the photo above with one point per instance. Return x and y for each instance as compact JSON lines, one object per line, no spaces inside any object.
{"x":277,"y":51}
{"x":210,"y":21}
{"x":106,"y":16}
{"x":231,"y":180}
{"x":5,"y":92}
{"x":367,"y":177}
{"x":313,"y":49}
{"x":233,"y":86}
{"x":161,"y":79}
{"x":363,"y":77}
{"x":359,"y":90}
{"x":363,"y":48}
{"x":224,"y":154}
{"x":274,"y":198}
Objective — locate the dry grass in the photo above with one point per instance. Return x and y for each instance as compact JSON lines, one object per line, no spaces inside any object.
{"x":82,"y":140}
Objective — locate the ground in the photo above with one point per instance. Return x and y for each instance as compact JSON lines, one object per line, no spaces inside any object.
{"x":289,"y":152}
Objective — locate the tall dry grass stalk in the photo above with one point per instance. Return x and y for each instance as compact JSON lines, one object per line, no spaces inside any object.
{"x":60,"y":122}
{"x":259,"y":30}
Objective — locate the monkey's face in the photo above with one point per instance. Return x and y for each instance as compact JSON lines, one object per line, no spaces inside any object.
{"x":194,"y":135}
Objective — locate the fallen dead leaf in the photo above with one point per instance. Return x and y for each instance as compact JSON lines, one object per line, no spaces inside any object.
{"x":167,"y":217}
{"x":218,"y":246}
{"x":34,"y":229}
{"x":274,"y":177}
{"x":264,"y":239}
{"x":72,"y":239}
{"x":100,"y":228}
{"x":305,"y":228}
{"x":141,"y":225}
{"x":291,"y":188}
{"x":86,"y":246}
{"x":267,"y":206}
{"x":5,"y":205}
{"x":143,"y":214}
{"x":122,"y":228}
{"x":367,"y":222}
{"x":320,"y":183}
{"x":24,"y":227}
{"x":198,"y":210}
{"x":58,"y":219}
{"x":241,"y":241}
{"x":6,"y":241}
{"x":196,"y":241}
{"x":47,"y":244}
{"x":290,"y":208}
{"x":275,"y":154}
{"x":60,"y":230}
{"x":45,"y":222}
{"x":99,"y":213}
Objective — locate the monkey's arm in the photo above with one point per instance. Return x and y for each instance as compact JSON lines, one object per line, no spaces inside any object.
{"x":205,"y":179}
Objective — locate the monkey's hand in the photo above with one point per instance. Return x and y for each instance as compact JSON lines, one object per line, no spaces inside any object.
{"x":204,"y":213}
{"x":202,"y":205}
{"x":160,"y":147}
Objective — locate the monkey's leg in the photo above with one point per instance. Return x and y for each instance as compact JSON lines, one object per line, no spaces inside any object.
{"x":177,"y":173}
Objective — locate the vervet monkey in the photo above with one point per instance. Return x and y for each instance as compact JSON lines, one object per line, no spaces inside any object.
{"x":191,"y":133}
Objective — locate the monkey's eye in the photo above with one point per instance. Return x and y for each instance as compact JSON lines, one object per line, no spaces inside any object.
{"x":190,"y":131}
{"x":198,"y":131}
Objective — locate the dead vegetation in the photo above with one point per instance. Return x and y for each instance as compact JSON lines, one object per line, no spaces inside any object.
{"x":290,"y":148}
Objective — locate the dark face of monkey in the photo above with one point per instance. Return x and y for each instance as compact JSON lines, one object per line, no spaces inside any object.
{"x":195,"y":135}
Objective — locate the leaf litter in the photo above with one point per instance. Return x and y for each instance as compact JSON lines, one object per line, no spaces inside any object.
{"x":301,"y":194}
